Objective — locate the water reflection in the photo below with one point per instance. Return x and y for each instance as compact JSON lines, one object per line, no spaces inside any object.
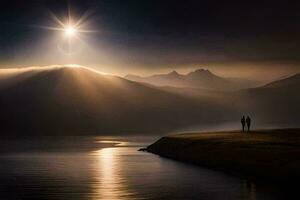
{"x":249,"y":190}
{"x":121,"y":172}
{"x":109,"y":184}
{"x":252,"y":193}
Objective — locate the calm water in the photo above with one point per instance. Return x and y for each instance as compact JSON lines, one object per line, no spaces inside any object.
{"x":111,"y":168}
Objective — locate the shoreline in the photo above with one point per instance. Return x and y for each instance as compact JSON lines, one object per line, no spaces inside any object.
{"x":262,"y":154}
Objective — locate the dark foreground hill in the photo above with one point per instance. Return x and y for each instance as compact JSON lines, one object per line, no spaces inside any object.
{"x":66,"y":100}
{"x":266,"y":154}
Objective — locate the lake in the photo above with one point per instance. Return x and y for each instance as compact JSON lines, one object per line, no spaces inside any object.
{"x":82,"y":168}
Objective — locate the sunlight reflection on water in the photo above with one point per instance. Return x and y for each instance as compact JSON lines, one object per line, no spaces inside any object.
{"x":117,"y":172}
{"x":109,"y":182}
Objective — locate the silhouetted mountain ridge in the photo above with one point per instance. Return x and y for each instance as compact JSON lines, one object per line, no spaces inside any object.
{"x":292,"y":81}
{"x":200,"y":78}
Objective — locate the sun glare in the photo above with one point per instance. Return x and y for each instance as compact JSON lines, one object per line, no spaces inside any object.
{"x":70,"y":31}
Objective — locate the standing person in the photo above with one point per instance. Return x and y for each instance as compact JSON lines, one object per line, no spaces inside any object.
{"x":243,"y":123}
{"x":248,"y":121}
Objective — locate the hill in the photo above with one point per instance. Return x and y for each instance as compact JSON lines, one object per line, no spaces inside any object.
{"x":288,"y":82}
{"x":276,"y":102}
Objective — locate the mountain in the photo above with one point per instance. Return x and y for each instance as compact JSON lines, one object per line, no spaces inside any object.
{"x":200,"y":78}
{"x":276,"y":102}
{"x":77,"y":101}
{"x":170,"y":79}
{"x":289,"y":82}
{"x":207,"y":80}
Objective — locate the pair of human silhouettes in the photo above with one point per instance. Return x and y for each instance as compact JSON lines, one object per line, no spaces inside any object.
{"x":245,"y":121}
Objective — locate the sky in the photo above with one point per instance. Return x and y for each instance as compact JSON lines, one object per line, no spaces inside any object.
{"x":255,"y":40}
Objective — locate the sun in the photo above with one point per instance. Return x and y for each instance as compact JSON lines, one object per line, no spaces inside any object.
{"x":70,"y":31}
{"x":70,"y":27}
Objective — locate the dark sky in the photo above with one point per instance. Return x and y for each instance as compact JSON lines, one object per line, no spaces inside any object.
{"x":146,"y":35}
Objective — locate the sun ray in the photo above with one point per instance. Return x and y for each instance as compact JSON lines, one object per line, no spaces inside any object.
{"x":70,"y":27}
{"x":47,"y":27}
{"x":56,"y":19}
{"x":84,"y":17}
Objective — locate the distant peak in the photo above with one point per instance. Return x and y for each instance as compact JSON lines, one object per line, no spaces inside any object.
{"x":201,"y":71}
{"x":173,"y":73}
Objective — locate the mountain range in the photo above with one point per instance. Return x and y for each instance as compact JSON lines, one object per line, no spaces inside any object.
{"x":81,"y":101}
{"x":200,"y":78}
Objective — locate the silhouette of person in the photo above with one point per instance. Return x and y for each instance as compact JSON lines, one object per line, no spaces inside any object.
{"x":248,"y":121}
{"x":243,"y":123}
